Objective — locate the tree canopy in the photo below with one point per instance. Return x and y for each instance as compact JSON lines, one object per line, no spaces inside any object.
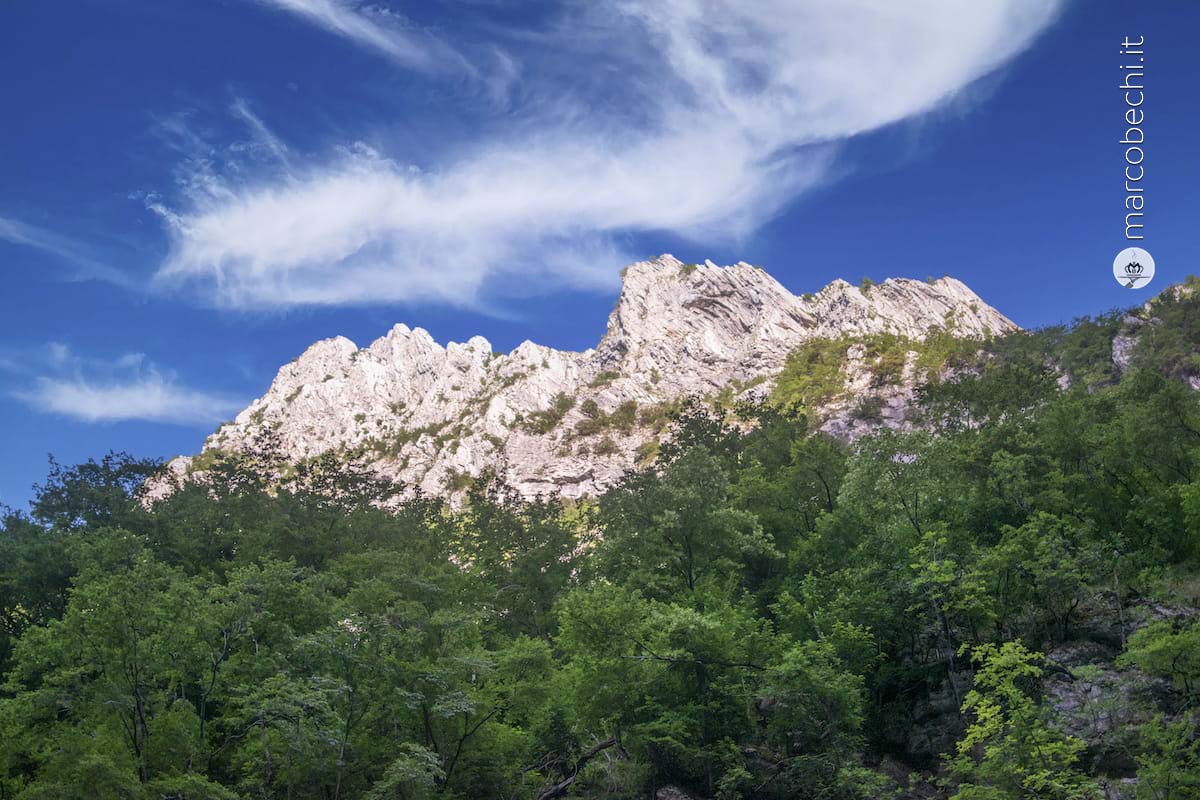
{"x":762,"y":612}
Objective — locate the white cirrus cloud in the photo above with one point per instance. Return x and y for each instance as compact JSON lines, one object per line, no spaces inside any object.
{"x":264,"y":137}
{"x":727,"y":111}
{"x":123,"y":389}
{"x":380,"y":30}
{"x":63,"y":248}
{"x":17,"y":232}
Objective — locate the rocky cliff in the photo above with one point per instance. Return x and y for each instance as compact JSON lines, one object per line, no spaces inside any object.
{"x":435,"y":416}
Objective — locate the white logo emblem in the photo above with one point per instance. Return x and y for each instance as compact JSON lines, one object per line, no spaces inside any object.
{"x":1133,"y":268}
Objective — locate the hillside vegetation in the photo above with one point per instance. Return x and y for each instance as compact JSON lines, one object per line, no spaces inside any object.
{"x":1003,"y":604}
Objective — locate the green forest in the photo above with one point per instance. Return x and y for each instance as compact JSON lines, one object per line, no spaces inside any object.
{"x":1002,"y":603}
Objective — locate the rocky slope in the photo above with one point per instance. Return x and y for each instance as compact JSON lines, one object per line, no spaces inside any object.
{"x":1136,"y":323}
{"x":571,"y":422}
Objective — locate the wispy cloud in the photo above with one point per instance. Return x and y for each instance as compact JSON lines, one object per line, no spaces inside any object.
{"x":380,"y":30}
{"x":121,"y":389}
{"x":63,"y":248}
{"x":263,"y":135}
{"x":148,"y":397}
{"x":18,"y":232}
{"x":724,"y":112}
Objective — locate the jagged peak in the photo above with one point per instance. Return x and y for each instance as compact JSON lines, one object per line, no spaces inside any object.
{"x":666,"y":276}
{"x":476,"y":345}
{"x":664,"y":296}
{"x":427,"y":413}
{"x":402,"y":338}
{"x":667,"y":266}
{"x":642,"y":272}
{"x":400,"y":331}
{"x":403,"y":334}
{"x":836,"y":285}
{"x":947,"y":280}
{"x":324,"y":351}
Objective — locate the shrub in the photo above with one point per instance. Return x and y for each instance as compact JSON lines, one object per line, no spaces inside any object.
{"x":623,"y":419}
{"x":1168,"y":651}
{"x":1012,"y":749}
{"x":458,"y":481}
{"x":657,"y":416}
{"x":647,"y":452}
{"x":812,"y":375}
{"x":604,"y":378}
{"x":869,"y":409}
{"x":888,"y":354}
{"x":547,"y":420}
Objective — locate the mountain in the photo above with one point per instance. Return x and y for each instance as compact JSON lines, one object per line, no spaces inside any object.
{"x":550,"y":421}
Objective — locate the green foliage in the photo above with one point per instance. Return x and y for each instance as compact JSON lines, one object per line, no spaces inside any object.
{"x":671,"y":531}
{"x":869,"y":408}
{"x":887,"y":354}
{"x":647,"y":452}
{"x":456,"y":481}
{"x":606,"y":447}
{"x":1171,"y":651}
{"x":622,"y":419}
{"x":547,"y":420}
{"x":1168,"y":761}
{"x":1082,"y":350}
{"x":756,"y":611}
{"x":658,"y":416}
{"x":1167,"y":344}
{"x":812,"y":376}
{"x":90,"y":495}
{"x":512,"y":379}
{"x":816,"y":711}
{"x":604,"y":379}
{"x":1010,"y":749}
{"x":1044,"y":565}
{"x":942,"y":349}
{"x":395,"y":444}
{"x":415,"y":773}
{"x":1162,"y":339}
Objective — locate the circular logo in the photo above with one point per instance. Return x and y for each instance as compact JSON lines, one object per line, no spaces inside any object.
{"x":1133,"y":268}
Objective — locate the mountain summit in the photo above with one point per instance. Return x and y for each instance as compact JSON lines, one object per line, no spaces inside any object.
{"x":435,"y":417}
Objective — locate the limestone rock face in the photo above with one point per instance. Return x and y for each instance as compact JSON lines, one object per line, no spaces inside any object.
{"x":1138,"y":322}
{"x":549,"y":421}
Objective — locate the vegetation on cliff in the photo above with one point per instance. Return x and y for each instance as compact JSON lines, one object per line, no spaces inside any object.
{"x":761,"y":612}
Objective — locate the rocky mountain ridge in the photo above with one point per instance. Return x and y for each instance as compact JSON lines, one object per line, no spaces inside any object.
{"x":572,"y":423}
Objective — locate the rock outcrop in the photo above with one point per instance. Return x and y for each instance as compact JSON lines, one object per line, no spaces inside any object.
{"x":1139,"y":323}
{"x":572,"y":422}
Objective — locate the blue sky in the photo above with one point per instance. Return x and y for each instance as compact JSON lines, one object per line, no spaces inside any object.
{"x":191,"y":193}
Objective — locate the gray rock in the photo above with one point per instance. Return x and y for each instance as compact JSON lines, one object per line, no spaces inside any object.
{"x":427,"y":415}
